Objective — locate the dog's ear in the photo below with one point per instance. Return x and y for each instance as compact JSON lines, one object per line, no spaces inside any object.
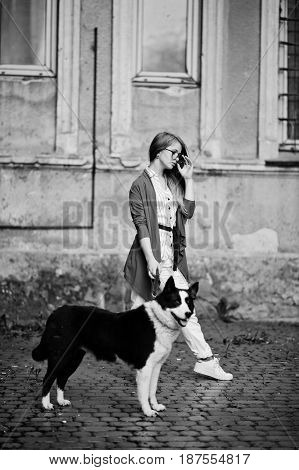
{"x":193,"y":290}
{"x":170,"y":285}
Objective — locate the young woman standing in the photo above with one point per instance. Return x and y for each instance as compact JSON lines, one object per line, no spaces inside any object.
{"x":161,"y":200}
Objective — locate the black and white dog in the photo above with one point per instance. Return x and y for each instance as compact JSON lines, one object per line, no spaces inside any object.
{"x":141,"y":337}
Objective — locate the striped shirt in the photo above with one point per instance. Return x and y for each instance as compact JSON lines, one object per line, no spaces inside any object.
{"x":166,"y":213}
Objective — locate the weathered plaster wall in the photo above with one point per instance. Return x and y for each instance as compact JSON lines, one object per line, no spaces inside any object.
{"x":37,"y":197}
{"x":227,"y":206}
{"x":263,"y":277}
{"x":246,"y":203}
{"x":27,"y":115}
{"x":171,"y":109}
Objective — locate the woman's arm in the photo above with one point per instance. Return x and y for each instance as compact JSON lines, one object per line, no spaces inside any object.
{"x":189,"y":197}
{"x":152,"y":263}
{"x":189,"y":191}
{"x":139,"y":219}
{"x":137,"y":212}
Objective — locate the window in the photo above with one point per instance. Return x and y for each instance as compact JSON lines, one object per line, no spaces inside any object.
{"x":168,"y":36}
{"x":28,"y":37}
{"x":289,"y":75}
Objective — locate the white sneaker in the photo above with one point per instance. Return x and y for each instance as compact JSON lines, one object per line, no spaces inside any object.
{"x":212,"y":369}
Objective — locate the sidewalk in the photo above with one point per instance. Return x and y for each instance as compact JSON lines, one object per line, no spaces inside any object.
{"x":257,"y":410}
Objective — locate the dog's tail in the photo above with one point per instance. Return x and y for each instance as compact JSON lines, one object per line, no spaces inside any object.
{"x":39,"y":353}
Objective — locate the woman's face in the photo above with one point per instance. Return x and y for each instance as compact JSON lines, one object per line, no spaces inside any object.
{"x":168,"y":157}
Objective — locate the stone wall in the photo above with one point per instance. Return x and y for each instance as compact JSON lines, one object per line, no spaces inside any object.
{"x":32,"y":284}
{"x":265,"y":287}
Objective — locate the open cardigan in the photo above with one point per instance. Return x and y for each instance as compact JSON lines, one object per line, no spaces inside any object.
{"x":143,"y":207}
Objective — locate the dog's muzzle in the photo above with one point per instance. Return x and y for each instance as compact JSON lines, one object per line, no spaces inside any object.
{"x":182,"y":321}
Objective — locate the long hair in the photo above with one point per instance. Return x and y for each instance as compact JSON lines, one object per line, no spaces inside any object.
{"x":175,"y":181}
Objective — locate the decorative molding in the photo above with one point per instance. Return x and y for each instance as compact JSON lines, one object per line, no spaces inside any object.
{"x":122,"y":65}
{"x":268,"y":96}
{"x":211,"y":76}
{"x":44,"y":160}
{"x":216,"y":168}
{"x":222,"y":168}
{"x":68,"y":79}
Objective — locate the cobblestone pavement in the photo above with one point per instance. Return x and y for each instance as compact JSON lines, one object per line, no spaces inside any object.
{"x":257,"y":410}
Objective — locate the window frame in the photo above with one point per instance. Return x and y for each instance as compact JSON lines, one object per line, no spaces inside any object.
{"x":123,"y":68}
{"x":188,"y":79}
{"x":67,"y":82}
{"x":49,"y":68}
{"x":285,"y":144}
{"x":269,"y":151}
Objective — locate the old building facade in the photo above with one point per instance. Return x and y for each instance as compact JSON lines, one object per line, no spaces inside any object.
{"x":84,"y":90}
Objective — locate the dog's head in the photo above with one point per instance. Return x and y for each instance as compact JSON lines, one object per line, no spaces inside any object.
{"x":180,"y":303}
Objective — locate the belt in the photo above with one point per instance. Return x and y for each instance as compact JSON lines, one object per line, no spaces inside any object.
{"x":163,"y":227}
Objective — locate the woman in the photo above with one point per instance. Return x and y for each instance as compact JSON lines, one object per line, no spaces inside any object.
{"x":161,"y":200}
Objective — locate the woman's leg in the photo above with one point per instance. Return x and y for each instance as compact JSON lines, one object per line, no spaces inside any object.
{"x":136,"y":299}
{"x":206,"y":363}
{"x":195,"y":339}
{"x":192,"y":331}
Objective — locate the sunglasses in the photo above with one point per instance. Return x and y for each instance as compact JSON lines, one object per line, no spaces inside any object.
{"x":181,"y":158}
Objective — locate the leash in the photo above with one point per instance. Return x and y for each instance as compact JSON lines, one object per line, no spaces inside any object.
{"x":156,"y":284}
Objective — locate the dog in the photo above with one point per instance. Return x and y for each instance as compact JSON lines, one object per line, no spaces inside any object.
{"x":141,"y":337}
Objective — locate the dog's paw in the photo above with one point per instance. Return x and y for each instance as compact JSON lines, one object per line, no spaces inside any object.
{"x":159,"y":407}
{"x":150,"y":413}
{"x":64,"y":402}
{"x":48,"y":406}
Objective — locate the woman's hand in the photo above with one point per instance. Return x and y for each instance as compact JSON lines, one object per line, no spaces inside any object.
{"x":152,"y":263}
{"x":187,"y":170}
{"x":152,"y":266}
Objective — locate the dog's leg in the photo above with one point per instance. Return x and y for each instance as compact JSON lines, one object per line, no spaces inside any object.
{"x":154,"y":383}
{"x":60,"y":398}
{"x":62,"y":377}
{"x":47,"y":384}
{"x":153,"y":388}
{"x":47,"y":405}
{"x":143,"y":378}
